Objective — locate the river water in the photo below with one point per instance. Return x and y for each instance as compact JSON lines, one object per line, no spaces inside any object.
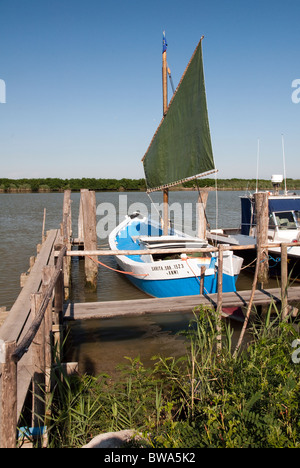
{"x":97,"y":345}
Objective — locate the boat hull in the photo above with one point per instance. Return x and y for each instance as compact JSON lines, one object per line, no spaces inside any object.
{"x":183,"y":286}
{"x":170,"y":277}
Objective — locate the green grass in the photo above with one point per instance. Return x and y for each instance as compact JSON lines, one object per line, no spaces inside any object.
{"x":207,"y":398}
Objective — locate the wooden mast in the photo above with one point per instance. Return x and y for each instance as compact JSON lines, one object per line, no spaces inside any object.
{"x":165,"y":107}
{"x":165,"y":76}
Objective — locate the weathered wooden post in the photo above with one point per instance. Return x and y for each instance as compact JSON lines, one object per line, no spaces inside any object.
{"x":67,"y":217}
{"x":39,"y":367}
{"x":47,"y":274}
{"x":220,"y":294}
{"x":284,"y":281}
{"x":262,"y":225}
{"x":80,"y":220}
{"x":58,"y":291}
{"x":66,"y":235}
{"x":8,"y":429}
{"x":202,"y":278}
{"x":88,"y":213}
{"x":201,"y":207}
{"x":58,"y":302}
{"x":165,"y":212}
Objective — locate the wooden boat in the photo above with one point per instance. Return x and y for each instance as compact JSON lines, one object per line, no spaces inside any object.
{"x":165,"y":275}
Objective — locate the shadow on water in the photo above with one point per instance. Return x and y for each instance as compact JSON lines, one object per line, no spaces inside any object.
{"x":100,"y":345}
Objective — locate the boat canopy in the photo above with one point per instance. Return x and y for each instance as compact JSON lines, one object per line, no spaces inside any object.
{"x":181,"y":148}
{"x":247,"y":215}
{"x":284,"y":204}
{"x":276,"y":205}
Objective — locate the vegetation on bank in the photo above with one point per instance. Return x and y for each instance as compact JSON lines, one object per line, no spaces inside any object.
{"x":205,"y":399}
{"x":59,"y":185}
{"x":241,"y":184}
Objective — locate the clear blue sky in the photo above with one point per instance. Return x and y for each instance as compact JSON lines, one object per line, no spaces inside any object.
{"x":83,"y":83}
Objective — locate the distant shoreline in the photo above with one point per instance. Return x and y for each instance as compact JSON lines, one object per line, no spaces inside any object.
{"x":56,"y":185}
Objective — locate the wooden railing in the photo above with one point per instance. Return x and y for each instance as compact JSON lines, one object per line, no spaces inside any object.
{"x":41,"y":338}
{"x":38,"y":337}
{"x":220,"y":249}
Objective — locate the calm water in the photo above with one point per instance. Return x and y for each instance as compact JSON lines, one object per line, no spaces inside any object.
{"x":100,"y":345}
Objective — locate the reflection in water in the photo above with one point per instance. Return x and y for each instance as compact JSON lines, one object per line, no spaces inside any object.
{"x":100,"y":345}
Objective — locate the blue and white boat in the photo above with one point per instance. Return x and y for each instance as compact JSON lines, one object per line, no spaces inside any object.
{"x":180,"y":150}
{"x":170,"y":275}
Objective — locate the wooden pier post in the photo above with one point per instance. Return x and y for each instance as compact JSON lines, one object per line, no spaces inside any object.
{"x":47,"y":274}
{"x":165,"y":217}
{"x":39,"y":365}
{"x":202,"y":278}
{"x":262,"y":224}
{"x":88,"y":223}
{"x":58,"y":292}
{"x":284,"y":281}
{"x":220,"y":294}
{"x":201,"y":206}
{"x":8,"y":422}
{"x":66,"y":232}
{"x":67,"y":217}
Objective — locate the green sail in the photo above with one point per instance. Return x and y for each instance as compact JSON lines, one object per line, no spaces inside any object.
{"x":181,"y":148}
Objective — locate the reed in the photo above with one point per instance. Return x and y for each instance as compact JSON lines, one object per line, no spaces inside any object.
{"x":206,"y":398}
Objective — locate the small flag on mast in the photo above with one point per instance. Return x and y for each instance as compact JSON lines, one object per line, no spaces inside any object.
{"x":165,"y":44}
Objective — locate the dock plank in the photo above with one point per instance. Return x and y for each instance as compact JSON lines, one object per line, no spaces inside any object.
{"x":109,"y":309}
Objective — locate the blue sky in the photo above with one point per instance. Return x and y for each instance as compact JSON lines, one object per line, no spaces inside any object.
{"x":83,"y":83}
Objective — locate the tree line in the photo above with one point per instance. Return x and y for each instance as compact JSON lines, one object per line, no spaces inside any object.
{"x":240,"y":184}
{"x":59,"y":185}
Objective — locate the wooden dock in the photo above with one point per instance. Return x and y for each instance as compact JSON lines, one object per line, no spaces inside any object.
{"x":183,"y":304}
{"x":34,"y":325}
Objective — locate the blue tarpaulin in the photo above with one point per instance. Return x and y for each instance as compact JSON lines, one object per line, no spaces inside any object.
{"x":246,"y":215}
{"x":284,"y":204}
{"x":275,"y":205}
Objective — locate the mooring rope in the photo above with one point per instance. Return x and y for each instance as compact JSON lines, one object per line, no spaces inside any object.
{"x":118,"y":271}
{"x":276,"y":260}
{"x":195,"y":274}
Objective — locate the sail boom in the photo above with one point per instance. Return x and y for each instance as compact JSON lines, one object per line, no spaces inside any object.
{"x":173,"y":184}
